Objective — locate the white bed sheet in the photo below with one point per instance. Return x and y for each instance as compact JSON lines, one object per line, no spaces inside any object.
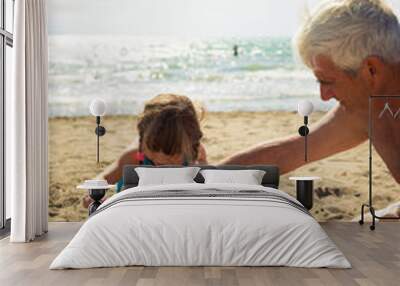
{"x":200,"y":232}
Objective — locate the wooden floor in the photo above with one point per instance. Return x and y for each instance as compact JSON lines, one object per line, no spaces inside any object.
{"x":375,"y":257}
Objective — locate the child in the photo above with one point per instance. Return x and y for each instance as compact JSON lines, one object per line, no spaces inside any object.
{"x":169,"y":134}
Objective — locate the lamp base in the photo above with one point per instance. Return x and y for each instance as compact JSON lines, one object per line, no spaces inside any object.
{"x":96,"y":195}
{"x":304,"y":193}
{"x":303,"y":130}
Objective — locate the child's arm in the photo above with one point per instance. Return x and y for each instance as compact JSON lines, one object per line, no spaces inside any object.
{"x":113,"y":173}
{"x":202,"y":157}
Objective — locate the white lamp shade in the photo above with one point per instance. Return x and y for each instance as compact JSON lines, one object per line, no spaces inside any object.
{"x":98,"y":107}
{"x":305,"y":107}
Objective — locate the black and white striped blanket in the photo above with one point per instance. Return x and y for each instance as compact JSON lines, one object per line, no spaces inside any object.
{"x":205,"y":194}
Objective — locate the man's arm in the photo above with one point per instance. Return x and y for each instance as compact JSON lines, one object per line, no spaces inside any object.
{"x":337,"y":131}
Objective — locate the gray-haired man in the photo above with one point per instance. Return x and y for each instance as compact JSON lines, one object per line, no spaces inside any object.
{"x":353,"y":48}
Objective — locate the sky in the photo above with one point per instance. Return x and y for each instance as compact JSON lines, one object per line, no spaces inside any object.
{"x":189,"y":18}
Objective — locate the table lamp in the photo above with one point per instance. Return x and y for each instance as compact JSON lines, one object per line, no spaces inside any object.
{"x":305,"y":108}
{"x":98,"y":109}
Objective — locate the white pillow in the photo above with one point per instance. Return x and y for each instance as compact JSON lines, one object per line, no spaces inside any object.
{"x":248,"y":177}
{"x":166,"y":176}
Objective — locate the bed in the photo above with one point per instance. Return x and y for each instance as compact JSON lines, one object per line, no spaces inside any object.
{"x":198,"y":224}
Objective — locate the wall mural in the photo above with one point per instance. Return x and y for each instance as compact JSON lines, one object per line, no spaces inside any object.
{"x":239,"y":68}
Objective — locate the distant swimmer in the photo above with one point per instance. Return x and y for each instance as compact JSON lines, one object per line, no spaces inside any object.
{"x":235,"y":50}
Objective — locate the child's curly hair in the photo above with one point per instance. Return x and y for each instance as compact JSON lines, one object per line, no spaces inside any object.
{"x":170,"y":124}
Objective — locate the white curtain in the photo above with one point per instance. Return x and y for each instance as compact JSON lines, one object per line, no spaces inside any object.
{"x":26,"y":123}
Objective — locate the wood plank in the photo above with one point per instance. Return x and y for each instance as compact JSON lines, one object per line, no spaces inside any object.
{"x":375,"y":257}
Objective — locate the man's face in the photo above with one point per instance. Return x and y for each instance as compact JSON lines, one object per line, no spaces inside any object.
{"x":350,"y":90}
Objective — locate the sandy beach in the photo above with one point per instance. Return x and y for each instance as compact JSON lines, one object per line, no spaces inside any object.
{"x":338,"y":196}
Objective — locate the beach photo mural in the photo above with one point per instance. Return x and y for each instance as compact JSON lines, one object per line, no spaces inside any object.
{"x":239,"y":65}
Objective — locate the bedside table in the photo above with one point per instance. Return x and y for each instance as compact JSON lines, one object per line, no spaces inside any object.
{"x":304,"y":190}
{"x":97,"y":190}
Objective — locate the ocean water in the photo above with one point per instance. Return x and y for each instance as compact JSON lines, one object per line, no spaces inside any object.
{"x":127,"y":71}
